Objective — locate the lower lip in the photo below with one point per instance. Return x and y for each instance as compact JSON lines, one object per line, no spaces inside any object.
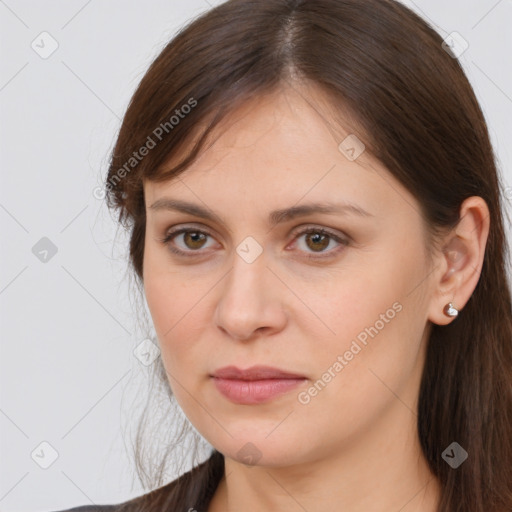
{"x":250,"y":392}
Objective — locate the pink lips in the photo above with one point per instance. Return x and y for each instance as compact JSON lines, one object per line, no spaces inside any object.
{"x":254,"y":385}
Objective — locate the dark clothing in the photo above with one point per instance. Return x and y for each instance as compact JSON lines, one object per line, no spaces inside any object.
{"x":190,"y":492}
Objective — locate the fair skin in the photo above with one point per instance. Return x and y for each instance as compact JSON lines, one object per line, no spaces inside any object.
{"x":354,"y":445}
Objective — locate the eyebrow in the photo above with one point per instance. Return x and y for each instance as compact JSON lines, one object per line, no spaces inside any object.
{"x":275,"y":217}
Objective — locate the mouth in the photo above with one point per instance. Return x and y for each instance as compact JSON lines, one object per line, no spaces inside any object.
{"x":254,"y":385}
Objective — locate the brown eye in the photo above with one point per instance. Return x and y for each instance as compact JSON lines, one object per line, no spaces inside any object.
{"x":317,"y":241}
{"x":191,"y":241}
{"x":194,"y":239}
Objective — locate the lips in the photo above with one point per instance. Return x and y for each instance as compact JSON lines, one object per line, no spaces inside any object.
{"x":258,"y":372}
{"x":255,"y":385}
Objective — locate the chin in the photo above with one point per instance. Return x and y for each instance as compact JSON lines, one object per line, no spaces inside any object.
{"x":259,"y":451}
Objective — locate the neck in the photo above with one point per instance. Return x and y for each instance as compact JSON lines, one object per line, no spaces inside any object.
{"x":382,"y":469}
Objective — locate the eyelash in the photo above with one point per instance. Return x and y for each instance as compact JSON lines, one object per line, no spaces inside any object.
{"x":309,"y":230}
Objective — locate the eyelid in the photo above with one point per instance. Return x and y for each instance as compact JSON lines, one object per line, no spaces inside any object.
{"x":303,"y":228}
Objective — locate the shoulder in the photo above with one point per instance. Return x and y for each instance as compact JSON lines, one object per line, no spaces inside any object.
{"x":196,"y":486}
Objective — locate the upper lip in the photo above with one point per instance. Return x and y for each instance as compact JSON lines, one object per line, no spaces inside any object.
{"x":258,"y":372}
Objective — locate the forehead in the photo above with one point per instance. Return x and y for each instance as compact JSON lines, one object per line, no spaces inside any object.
{"x":278,"y":149}
{"x":293,"y":111}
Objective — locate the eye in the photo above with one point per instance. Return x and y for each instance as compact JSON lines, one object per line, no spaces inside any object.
{"x":316,"y":241}
{"x":193,"y":240}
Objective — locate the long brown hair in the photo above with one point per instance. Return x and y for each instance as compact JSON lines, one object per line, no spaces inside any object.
{"x":412,"y":105}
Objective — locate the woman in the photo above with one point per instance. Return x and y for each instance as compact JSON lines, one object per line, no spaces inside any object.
{"x":315,"y":217}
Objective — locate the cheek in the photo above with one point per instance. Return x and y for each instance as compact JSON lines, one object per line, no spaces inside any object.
{"x":376,"y":317}
{"x":177,"y":306}
{"x":176,"y":329}
{"x":168,"y":294}
{"x":362,"y":371}
{"x":172,"y":311}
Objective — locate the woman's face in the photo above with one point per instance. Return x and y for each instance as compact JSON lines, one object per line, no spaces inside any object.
{"x":346,"y":311}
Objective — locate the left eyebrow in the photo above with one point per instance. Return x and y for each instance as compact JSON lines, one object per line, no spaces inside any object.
{"x":287,"y":214}
{"x":275,"y":217}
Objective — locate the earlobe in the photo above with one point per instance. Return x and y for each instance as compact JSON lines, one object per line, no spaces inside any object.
{"x":450,"y":310}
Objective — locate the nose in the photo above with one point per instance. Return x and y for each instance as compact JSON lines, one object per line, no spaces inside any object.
{"x":251,"y":301}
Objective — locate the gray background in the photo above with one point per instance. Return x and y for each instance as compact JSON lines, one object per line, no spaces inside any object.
{"x":68,"y":373}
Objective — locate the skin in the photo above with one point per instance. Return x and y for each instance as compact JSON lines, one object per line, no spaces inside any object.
{"x":355,"y":442}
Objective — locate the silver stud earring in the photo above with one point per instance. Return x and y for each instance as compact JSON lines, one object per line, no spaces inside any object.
{"x":450,"y":310}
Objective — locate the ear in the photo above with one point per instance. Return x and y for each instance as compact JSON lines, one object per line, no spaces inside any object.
{"x":460,"y":263}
